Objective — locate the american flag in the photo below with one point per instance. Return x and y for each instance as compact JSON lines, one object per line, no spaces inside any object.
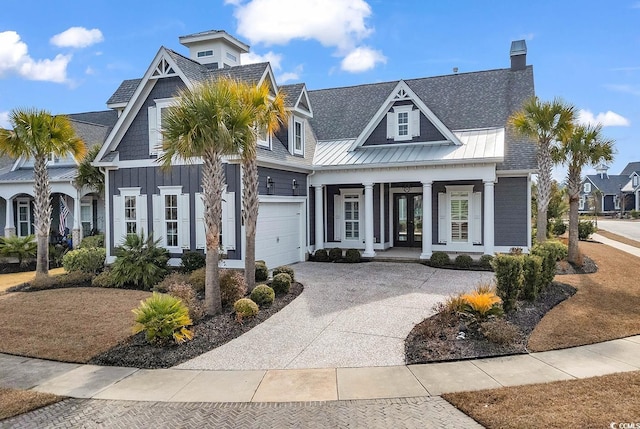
{"x":64,"y":212}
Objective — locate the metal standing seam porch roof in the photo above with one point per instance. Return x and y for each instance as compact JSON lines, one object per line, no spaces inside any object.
{"x":479,"y":145}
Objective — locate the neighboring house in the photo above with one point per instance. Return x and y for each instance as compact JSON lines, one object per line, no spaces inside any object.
{"x":85,"y":206}
{"x":425,"y":163}
{"x":605,"y":193}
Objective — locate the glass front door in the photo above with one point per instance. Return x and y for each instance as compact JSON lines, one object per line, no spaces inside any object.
{"x":407,"y":220}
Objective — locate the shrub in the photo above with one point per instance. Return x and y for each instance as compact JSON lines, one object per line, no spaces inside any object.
{"x":175,"y":278}
{"x":197,"y":279}
{"x":635,"y":214}
{"x":352,"y":256}
{"x":281,"y":283}
{"x":557,"y":249}
{"x":463,"y":261}
{"x":263,"y":295}
{"x":515,"y":251}
{"x":23,"y":248}
{"x":550,"y":251}
{"x":139,"y":263}
{"x":321,"y":256}
{"x":163,"y":317}
{"x":56,"y":253}
{"x":335,"y":254}
{"x":558,"y":227}
{"x":533,"y":277}
{"x":485,"y":261}
{"x":439,"y":259}
{"x":485,"y":288}
{"x":232,"y":286}
{"x":454,"y":304}
{"x":585,"y":229}
{"x":482,"y":305}
{"x":284,"y":269}
{"x":262,"y":272}
{"x":74,"y":279}
{"x":499,"y":331}
{"x":86,"y":260}
{"x":245,"y":308}
{"x":191,"y":261}
{"x":92,"y":241}
{"x":508,"y":272}
{"x":185,"y":293}
{"x":104,"y":279}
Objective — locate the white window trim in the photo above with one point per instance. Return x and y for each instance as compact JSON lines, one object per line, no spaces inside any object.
{"x":635,"y":180}
{"x":587,"y":188}
{"x":264,"y":143}
{"x":358,"y":194}
{"x":204,"y":54}
{"x":471,"y":224}
{"x":155,"y":124}
{"x":581,"y":202}
{"x":293,"y":138}
{"x":616,"y":202}
{"x":87,"y":203}
{"x":23,"y":202}
{"x":160,"y":220}
{"x":397,"y":111}
{"x":119,"y":223}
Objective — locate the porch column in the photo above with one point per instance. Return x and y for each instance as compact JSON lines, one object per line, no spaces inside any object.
{"x":368,"y":221}
{"x":319,"y":214}
{"x":489,"y":218}
{"x":9,"y":225}
{"x":76,"y":236}
{"x":637,"y":200}
{"x":427,"y":221}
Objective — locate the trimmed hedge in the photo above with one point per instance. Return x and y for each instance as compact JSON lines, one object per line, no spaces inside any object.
{"x":87,"y":260}
{"x":281,"y":283}
{"x":508,"y":272}
{"x":439,"y":259}
{"x":285,"y":269}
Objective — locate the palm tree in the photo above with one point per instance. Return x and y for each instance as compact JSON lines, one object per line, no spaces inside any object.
{"x":545,"y":122}
{"x":39,"y":135}
{"x":265,"y":113}
{"x":88,"y":175}
{"x":583,"y":145}
{"x":198,"y":126}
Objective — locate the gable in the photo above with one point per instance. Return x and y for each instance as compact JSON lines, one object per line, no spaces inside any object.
{"x":427,"y":132}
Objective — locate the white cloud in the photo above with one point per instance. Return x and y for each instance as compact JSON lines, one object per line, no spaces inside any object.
{"x":606,"y":119}
{"x":252,"y":58}
{"x":289,"y":76}
{"x":77,"y":37}
{"x":627,"y":89}
{"x":4,"y":120}
{"x":527,"y":36}
{"x":14,"y":58}
{"x":362,"y":59}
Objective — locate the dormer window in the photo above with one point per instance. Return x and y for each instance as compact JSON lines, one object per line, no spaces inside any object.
{"x":587,"y":188}
{"x":635,"y":181}
{"x":202,"y":54}
{"x":264,"y":139}
{"x":403,"y":123}
{"x":298,"y":137}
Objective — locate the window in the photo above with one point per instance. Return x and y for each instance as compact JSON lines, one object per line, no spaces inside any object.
{"x":130,"y":215}
{"x":264,"y":139}
{"x":352,"y":217}
{"x":171,"y":220}
{"x":403,"y":124}
{"x":581,"y":203}
{"x":232,"y":57}
{"x":635,"y":181}
{"x":459,"y":206}
{"x":208,"y":53}
{"x":616,"y":202}
{"x":298,"y":137}
{"x":86,"y":217}
{"x":587,"y":188}
{"x":156,"y":114}
{"x":24,"y":218}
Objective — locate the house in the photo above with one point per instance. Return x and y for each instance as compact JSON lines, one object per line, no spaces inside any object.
{"x":86,"y":207}
{"x":604,"y":193}
{"x":426,"y":163}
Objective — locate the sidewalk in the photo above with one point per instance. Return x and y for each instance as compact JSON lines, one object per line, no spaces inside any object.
{"x":621,"y":246}
{"x":324,"y":384}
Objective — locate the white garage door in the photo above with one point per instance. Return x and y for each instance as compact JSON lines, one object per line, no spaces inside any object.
{"x":278,"y":233}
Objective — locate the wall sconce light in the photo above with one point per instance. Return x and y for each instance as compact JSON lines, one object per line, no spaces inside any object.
{"x":294,"y":186}
{"x":270,"y":185}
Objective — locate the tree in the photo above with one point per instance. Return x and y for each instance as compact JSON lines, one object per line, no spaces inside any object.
{"x":581,"y":146}
{"x":39,"y":135}
{"x":545,"y":122}
{"x":199,"y":126}
{"x":88,"y":175}
{"x":262,"y":114}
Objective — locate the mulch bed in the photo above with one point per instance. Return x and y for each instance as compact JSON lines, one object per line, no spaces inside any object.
{"x":210,"y":333}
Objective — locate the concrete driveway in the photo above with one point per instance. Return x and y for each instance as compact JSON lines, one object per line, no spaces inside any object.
{"x":625,"y":228}
{"x":349,"y":315}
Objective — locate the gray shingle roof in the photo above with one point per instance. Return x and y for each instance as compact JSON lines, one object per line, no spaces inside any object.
{"x":608,"y":184}
{"x":290,"y":93}
{"x":631,"y":168}
{"x":124,"y":92}
{"x":104,"y":117}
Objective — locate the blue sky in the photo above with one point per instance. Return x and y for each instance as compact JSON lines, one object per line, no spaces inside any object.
{"x":69,"y":56}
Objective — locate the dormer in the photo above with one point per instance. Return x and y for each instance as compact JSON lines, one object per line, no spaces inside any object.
{"x":214,"y":47}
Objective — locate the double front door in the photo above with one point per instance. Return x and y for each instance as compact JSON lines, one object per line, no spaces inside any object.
{"x":407,"y":220}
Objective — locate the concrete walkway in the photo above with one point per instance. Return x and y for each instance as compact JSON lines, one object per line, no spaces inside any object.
{"x":621,"y":246}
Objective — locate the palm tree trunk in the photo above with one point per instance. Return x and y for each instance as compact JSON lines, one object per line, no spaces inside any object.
{"x":544,"y":191}
{"x":212,"y":184}
{"x":573,"y":189}
{"x":250,"y":205}
{"x":42,"y":214}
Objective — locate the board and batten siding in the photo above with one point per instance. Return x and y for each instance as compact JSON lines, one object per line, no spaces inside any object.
{"x":511,"y":219}
{"x":282,"y":181}
{"x":187,"y":176}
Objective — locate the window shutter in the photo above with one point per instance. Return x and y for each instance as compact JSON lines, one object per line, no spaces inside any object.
{"x":184,"y":231}
{"x":415,"y":123}
{"x":118,"y":220}
{"x":391,"y":125}
{"x":142,"y":214}
{"x":157,"y":220}
{"x":153,"y":131}
{"x":229,"y":221}
{"x":201,"y":240}
{"x":442,"y":217}
{"x":476,"y":217}
{"x":337,"y":217}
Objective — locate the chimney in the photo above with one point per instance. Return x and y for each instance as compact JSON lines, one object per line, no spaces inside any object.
{"x":518,"y":54}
